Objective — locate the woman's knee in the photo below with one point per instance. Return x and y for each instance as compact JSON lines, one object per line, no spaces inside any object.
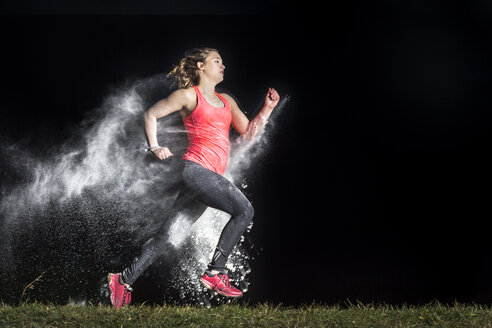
{"x":248,"y":213}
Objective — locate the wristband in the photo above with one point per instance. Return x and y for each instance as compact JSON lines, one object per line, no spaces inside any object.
{"x":152,"y":148}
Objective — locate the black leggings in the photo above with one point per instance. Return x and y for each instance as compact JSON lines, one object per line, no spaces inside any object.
{"x":202,"y":188}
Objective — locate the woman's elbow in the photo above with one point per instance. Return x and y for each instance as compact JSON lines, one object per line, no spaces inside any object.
{"x":148,"y":115}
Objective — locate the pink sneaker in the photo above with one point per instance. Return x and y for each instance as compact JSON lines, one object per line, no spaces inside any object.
{"x":120,"y":293}
{"x":220,"y":283}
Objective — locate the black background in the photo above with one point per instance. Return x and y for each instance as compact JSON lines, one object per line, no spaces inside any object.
{"x":376,"y":184}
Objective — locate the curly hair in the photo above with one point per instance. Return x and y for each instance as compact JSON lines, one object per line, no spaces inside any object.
{"x":186,"y":71}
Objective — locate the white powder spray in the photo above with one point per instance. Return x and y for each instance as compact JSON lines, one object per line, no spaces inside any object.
{"x":101,"y":192}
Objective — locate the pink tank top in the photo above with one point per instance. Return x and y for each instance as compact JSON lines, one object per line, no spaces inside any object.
{"x":208,"y":133}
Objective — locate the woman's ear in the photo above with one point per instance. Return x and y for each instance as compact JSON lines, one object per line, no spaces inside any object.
{"x":199,"y":65}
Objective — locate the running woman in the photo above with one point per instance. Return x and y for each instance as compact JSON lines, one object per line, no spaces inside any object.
{"x":207,"y":116}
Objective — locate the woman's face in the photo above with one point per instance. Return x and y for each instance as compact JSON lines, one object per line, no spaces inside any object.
{"x":213,"y":68}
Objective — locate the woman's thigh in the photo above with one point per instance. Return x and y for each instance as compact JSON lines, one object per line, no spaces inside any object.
{"x":214,"y":190}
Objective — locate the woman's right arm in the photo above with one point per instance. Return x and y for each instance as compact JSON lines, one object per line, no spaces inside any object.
{"x":179,"y":100}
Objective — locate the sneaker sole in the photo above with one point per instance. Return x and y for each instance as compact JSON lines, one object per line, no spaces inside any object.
{"x":110,"y":281}
{"x":227,"y":295}
{"x":206,"y":284}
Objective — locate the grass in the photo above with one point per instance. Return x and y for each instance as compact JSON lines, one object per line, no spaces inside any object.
{"x":240,"y":315}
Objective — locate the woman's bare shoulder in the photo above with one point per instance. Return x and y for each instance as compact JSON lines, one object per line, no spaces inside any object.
{"x":184,"y":96}
{"x":228,"y":97}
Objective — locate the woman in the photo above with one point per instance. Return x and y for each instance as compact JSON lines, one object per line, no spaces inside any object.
{"x":207,"y":116}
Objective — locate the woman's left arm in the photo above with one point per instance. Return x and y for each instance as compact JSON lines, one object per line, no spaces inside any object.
{"x":241,"y":123}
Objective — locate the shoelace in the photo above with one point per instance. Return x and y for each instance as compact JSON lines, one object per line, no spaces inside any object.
{"x":225,"y":280}
{"x":125,"y":295}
